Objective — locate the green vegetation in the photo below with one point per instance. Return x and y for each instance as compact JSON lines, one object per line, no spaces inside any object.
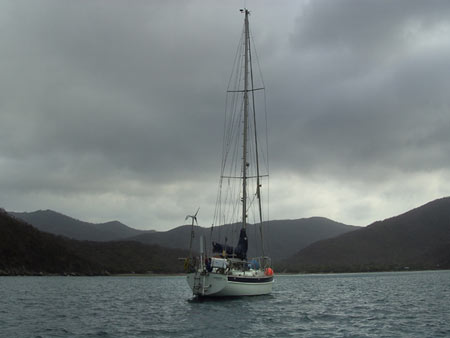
{"x":418,"y":239}
{"x":25,"y":250}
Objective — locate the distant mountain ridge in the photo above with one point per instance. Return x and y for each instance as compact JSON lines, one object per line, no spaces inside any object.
{"x":59,"y":224}
{"x":282,"y":238}
{"x":417,"y":239}
{"x":25,"y":250}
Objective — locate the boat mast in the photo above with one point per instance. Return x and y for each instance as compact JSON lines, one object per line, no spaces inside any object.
{"x":258,"y":177}
{"x":244,"y":156}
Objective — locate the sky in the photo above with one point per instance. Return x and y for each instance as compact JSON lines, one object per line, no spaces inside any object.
{"x":113,"y":110}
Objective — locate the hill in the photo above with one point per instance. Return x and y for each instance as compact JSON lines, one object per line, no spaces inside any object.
{"x":59,"y":224}
{"x":282,"y":238}
{"x":25,"y":250}
{"x":418,"y":239}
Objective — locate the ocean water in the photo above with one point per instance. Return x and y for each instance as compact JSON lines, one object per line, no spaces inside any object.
{"x":405,"y":304}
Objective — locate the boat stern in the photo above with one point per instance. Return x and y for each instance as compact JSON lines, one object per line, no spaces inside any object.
{"x":206,"y":284}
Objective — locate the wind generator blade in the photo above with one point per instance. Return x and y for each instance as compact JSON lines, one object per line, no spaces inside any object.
{"x":194,"y":218}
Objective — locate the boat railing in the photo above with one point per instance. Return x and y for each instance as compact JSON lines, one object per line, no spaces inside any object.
{"x":260,"y":263}
{"x":226,"y":264}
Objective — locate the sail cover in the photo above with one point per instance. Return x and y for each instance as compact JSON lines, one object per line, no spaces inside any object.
{"x":240,"y":250}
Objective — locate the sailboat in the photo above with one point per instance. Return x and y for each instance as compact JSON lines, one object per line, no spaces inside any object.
{"x":226,"y":270}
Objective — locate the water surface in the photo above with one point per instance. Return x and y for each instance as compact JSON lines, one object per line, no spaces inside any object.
{"x":407,"y":304}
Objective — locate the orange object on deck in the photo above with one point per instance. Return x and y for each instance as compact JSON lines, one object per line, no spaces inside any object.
{"x":268,"y":272}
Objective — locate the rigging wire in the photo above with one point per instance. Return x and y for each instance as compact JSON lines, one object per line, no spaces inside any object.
{"x":229,"y":194}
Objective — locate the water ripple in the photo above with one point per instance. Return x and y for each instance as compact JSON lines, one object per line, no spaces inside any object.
{"x":410,"y":304}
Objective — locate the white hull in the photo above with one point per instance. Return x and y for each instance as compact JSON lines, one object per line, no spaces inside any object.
{"x":219,"y":285}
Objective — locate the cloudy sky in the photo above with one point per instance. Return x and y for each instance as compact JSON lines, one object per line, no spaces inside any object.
{"x":114,"y":109}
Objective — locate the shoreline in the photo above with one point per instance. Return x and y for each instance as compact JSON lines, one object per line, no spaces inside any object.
{"x":153,"y":274}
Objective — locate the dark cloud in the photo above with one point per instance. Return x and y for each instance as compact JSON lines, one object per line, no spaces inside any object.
{"x":369,"y":86}
{"x":114,"y":110}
